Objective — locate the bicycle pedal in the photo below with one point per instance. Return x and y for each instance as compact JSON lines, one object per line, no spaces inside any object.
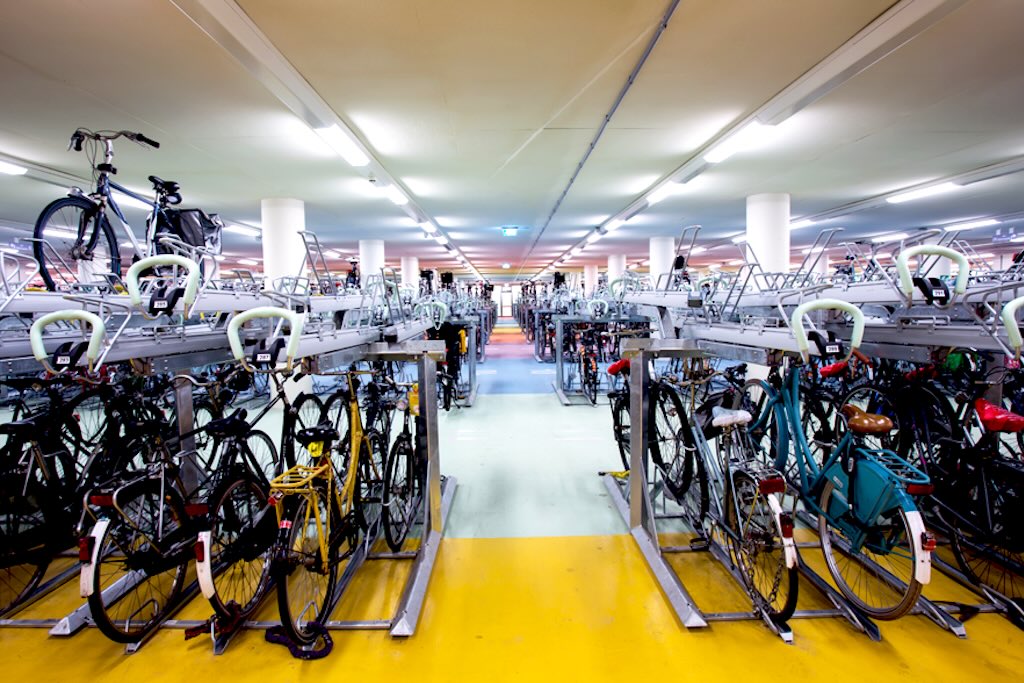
{"x":699,"y":543}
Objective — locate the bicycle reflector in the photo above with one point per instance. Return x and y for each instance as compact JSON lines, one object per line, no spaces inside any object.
{"x":920,"y":489}
{"x":200,"y":551}
{"x":786,"y":522}
{"x":103,"y":500}
{"x":771,"y":485}
{"x":85,"y":547}
{"x":928,"y":541}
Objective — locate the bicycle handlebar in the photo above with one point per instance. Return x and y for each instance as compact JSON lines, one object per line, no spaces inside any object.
{"x":1009,"y":316}
{"x":907,"y":280}
{"x":95,"y":340}
{"x":79,"y":136}
{"x":191,"y":282}
{"x":294,"y":336}
{"x":797,"y":323}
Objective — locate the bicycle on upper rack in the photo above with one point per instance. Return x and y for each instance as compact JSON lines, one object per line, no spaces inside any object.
{"x":873,"y":536}
{"x":73,"y":239}
{"x":742,"y":511}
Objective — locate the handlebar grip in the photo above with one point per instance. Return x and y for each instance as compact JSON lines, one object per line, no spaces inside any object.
{"x":95,"y":340}
{"x":797,"y":323}
{"x":296,"y":320}
{"x":907,"y":280}
{"x":148,"y":141}
{"x":191,"y":282}
{"x":1009,"y":316}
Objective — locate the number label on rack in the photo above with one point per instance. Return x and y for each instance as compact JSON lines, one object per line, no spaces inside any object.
{"x":63,"y":360}
{"x":832,"y":348}
{"x":938,"y":294}
{"x":160,"y":303}
{"x":262,"y":357}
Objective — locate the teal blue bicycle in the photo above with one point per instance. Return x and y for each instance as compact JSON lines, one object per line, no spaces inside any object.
{"x":872,"y":535}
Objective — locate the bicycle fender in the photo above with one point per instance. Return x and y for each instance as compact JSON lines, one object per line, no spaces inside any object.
{"x":85,"y":578}
{"x":788,"y":545}
{"x":923,"y":566}
{"x":204,"y":568}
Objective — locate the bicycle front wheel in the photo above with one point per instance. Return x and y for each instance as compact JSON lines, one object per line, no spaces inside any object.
{"x":242,"y":530}
{"x":757,"y":548}
{"x":620,"y":425}
{"x":879,"y":577}
{"x":62,"y":260}
{"x":305,"y":575}
{"x":401,"y":492}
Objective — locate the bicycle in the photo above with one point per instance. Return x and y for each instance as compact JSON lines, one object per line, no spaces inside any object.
{"x":73,"y":239}
{"x":405,"y":473}
{"x":873,"y":536}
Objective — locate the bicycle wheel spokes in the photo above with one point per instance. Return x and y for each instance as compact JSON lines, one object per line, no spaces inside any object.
{"x":242,"y":531}
{"x":400,"y":494}
{"x":877,"y":575}
{"x":134,"y":550}
{"x":23,"y":552}
{"x":307,"y":576}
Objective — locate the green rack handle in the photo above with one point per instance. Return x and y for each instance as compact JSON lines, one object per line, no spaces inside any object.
{"x":797,"y":323}
{"x":191,"y":281}
{"x":294,"y":337}
{"x":1009,"y":316}
{"x":907,"y":280}
{"x":441,"y":306}
{"x":595,"y":304}
{"x":92,"y":353}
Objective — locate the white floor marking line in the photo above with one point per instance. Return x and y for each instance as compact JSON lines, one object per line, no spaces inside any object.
{"x":542,"y":372}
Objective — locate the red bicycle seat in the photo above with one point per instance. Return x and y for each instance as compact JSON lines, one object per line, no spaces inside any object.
{"x":618,"y":366}
{"x":996,"y":419}
{"x":833,"y":369}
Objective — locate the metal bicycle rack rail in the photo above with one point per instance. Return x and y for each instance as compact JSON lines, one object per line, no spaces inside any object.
{"x":561,"y":321}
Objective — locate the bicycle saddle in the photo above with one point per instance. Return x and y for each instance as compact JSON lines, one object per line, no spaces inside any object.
{"x":167,"y":186}
{"x":723,"y":417}
{"x":323,"y":432}
{"x":621,"y":365}
{"x":996,"y":419}
{"x":22,"y":428}
{"x":833,"y":369}
{"x":861,"y":422}
{"x":232,"y":425}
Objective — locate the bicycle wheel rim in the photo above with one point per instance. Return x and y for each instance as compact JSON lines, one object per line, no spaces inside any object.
{"x":25,"y":556}
{"x":305,"y":582}
{"x":862,"y":577}
{"x":59,"y":225}
{"x":399,"y":494}
{"x":241,"y":567}
{"x":148,"y":596}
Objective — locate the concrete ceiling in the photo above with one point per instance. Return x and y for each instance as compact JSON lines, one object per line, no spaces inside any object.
{"x":484,"y":110}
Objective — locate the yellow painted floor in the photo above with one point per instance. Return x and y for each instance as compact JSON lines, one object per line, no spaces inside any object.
{"x":570,"y":608}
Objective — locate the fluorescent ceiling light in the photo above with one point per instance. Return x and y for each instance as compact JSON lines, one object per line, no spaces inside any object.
{"x":983,"y":223}
{"x":341,"y":143}
{"x":128,"y":200}
{"x":428,"y":227}
{"x":805,"y":223}
{"x":737,"y":262}
{"x":242,"y":230}
{"x":613,"y":225}
{"x":986,"y":255}
{"x":750,"y":136}
{"x":593,"y":237}
{"x":890,"y":238}
{"x":12,"y":169}
{"x":698,"y":250}
{"x":248,"y":262}
{"x":395,"y":195}
{"x":817,"y":250}
{"x":576,"y":250}
{"x":941,"y":188}
{"x":126,"y":244}
{"x":663,"y":192}
{"x":506,"y":266}
{"x":440,"y":239}
{"x":509,"y":232}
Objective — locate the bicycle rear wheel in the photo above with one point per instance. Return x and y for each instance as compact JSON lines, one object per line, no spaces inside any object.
{"x":305,"y":578}
{"x":370,"y":485}
{"x":58,"y":225}
{"x":24,"y":554}
{"x":401,"y":493}
{"x":757,"y":549}
{"x":137,"y":550}
{"x":242,"y":531}
{"x":879,"y":578}
{"x":620,"y":425}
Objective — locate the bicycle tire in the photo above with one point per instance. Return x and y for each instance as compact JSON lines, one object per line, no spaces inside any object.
{"x":765,"y":429}
{"x":401,"y":492}
{"x":757,"y":550}
{"x":128,"y":543}
{"x":620,"y":425}
{"x":667,"y":441}
{"x":304,"y":579}
{"x":242,"y":532}
{"x":308,"y":410}
{"x":64,"y":214}
{"x":868,"y":579}
{"x":370,"y":482}
{"x":24,"y":553}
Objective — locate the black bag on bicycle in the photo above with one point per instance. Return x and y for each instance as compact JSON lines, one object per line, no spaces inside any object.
{"x":191,"y":226}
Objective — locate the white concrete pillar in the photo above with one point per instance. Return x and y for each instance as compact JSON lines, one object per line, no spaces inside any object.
{"x":768,"y":231}
{"x":411,"y":271}
{"x":371,"y":258}
{"x":590,"y":278}
{"x":616,"y":266}
{"x":284,"y":254}
{"x":662,"y":254}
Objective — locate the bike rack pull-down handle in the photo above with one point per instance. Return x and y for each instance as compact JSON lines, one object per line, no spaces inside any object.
{"x":296,"y":321}
{"x":1009,"y":316}
{"x":907,"y":280}
{"x":95,"y":339}
{"x":797,"y":323}
{"x":191,"y":281}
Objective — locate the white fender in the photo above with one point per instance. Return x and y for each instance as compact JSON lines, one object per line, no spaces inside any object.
{"x":85,"y":578}
{"x":923,"y":567}
{"x":788,"y":544}
{"x":204,"y":569}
